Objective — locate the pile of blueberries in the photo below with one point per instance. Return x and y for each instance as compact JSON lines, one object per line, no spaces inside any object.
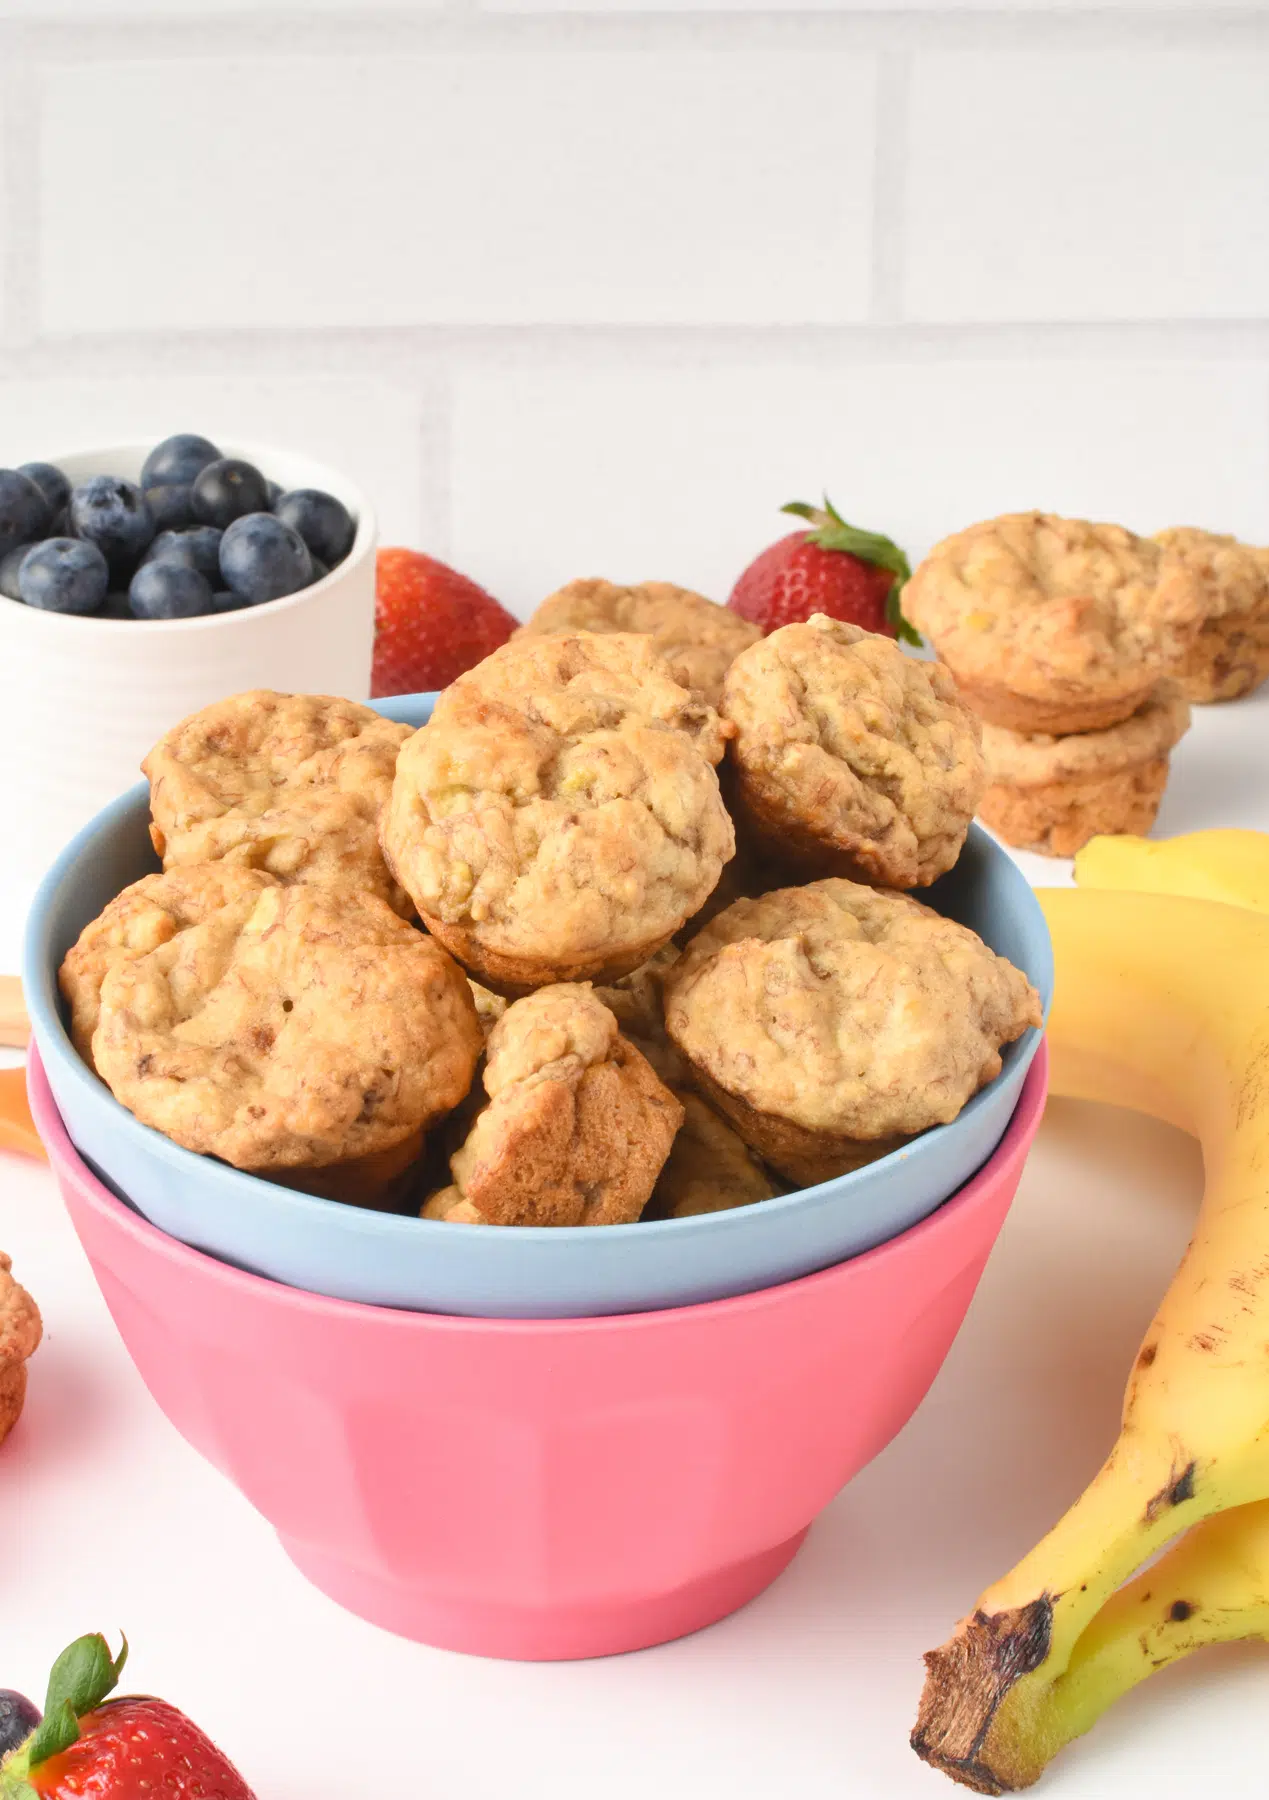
{"x":202,"y":533}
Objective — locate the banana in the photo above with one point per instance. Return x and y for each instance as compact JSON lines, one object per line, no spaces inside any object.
{"x":1230,"y":866}
{"x":1160,"y":1006}
{"x":1211,"y":1588}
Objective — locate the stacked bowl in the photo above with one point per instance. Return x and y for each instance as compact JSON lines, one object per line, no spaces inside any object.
{"x":525,"y":1442}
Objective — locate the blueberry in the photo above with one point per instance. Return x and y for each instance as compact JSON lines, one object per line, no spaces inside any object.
{"x":170,"y":507}
{"x":54,"y":486}
{"x":64,"y":575}
{"x":275,"y":494}
{"x":320,"y":571}
{"x":176,"y":461}
{"x":262,"y":558}
{"x":116,"y":605}
{"x":169,"y":590}
{"x":112,"y":514}
{"x":24,"y":512}
{"x":18,"y":1719}
{"x":228,"y":490}
{"x":198,"y":548}
{"x":325,"y":524}
{"x":225,"y":600}
{"x":10,"y":563}
{"x":61,"y":526}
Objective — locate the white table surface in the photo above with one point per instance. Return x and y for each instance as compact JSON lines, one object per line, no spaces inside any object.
{"x":108,"y":1521}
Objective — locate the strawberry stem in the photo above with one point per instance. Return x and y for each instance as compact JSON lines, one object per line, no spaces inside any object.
{"x":83,"y":1675}
{"x":833,"y":533}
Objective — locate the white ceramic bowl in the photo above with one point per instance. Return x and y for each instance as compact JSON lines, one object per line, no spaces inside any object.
{"x":83,"y":699}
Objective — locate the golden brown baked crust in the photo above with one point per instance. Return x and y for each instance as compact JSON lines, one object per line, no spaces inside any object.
{"x":833,"y":1016}
{"x":1052,"y":795}
{"x":381,"y":1182}
{"x":850,"y":757}
{"x":145,"y":915}
{"x":559,"y":817}
{"x":1060,"y":819}
{"x":1230,"y":656}
{"x":316,"y":1029}
{"x":710,"y":1168}
{"x":577,"y":1127}
{"x":697,"y":639}
{"x":290,"y":783}
{"x":20,"y":1333}
{"x":1055,"y":625}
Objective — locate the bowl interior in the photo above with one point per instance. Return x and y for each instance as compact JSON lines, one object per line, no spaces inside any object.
{"x":985,"y":891}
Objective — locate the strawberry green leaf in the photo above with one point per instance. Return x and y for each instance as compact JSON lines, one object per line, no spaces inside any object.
{"x":82,"y":1677}
{"x":833,"y":533}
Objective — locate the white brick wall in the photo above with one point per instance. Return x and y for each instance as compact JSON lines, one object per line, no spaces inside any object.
{"x":584,"y":286}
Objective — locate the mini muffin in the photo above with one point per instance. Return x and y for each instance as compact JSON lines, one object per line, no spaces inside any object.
{"x":289,"y":783}
{"x":577,"y":1127}
{"x":1055,"y":625}
{"x":709,"y":1169}
{"x":1230,"y":656}
{"x":696,"y":638}
{"x":832,"y":1022}
{"x":149,"y":913}
{"x":1054,"y":794}
{"x":560,"y":817}
{"x":20,"y":1334}
{"x":851,"y":758}
{"x":302,"y":1032}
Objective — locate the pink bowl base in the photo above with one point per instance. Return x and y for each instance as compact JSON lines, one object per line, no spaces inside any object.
{"x":541,"y":1489}
{"x":546,"y":1633}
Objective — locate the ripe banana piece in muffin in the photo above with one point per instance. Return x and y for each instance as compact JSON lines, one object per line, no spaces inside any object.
{"x":289,"y":1033}
{"x":559,"y":817}
{"x":577,"y":1127}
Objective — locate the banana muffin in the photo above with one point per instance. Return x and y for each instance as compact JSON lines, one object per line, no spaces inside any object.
{"x":710,"y":1167}
{"x":1230,"y":656}
{"x":559,"y":818}
{"x":149,"y":913}
{"x":697,"y":638}
{"x":1053,"y":794}
{"x":1055,"y":625}
{"x":289,"y":783}
{"x":849,"y":757}
{"x":304,"y":1031}
{"x":577,"y":1127}
{"x":830,"y":1023}
{"x":20,"y":1333}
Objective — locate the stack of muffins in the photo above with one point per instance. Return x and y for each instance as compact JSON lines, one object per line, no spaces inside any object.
{"x":1081,"y":646}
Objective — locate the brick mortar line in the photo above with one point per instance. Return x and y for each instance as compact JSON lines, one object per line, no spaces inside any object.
{"x":889,"y":186}
{"x":19,"y":204}
{"x":436,"y":352}
{"x":464,"y":24}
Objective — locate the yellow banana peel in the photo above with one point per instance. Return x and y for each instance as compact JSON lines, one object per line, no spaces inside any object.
{"x":1162,"y":1004}
{"x":1229,"y":866}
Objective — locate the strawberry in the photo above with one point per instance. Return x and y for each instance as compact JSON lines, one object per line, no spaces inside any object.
{"x":431,"y":624}
{"x":834,"y":569}
{"x":92,"y":1748}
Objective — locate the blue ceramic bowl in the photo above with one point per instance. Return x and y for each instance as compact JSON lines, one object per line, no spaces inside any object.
{"x":424,"y":1265}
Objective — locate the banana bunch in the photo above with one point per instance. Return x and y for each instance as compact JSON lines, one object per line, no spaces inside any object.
{"x":1162,"y":1005}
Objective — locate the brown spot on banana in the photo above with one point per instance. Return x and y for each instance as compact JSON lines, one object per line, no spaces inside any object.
{"x":1179,"y":1489}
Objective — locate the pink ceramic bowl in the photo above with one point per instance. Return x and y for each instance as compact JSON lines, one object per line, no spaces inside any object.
{"x":542,"y":1488}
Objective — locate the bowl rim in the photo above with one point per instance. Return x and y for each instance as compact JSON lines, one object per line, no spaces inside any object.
{"x":34,"y":618}
{"x":66,"y":1160}
{"x":39,"y":980}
